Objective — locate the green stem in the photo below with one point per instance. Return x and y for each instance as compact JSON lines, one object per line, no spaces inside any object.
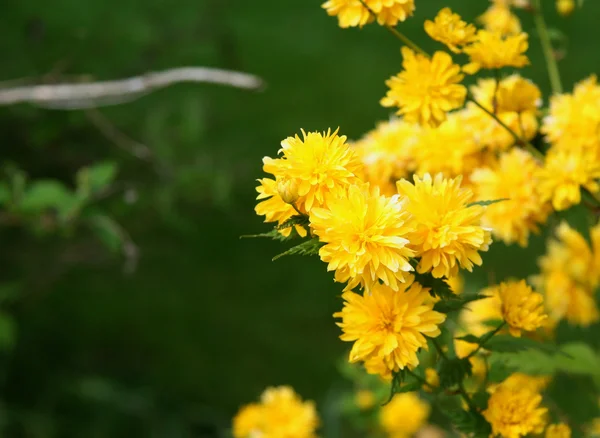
{"x":410,"y":43}
{"x":486,"y":338}
{"x":520,"y":141}
{"x":439,"y":349}
{"x":551,"y":64}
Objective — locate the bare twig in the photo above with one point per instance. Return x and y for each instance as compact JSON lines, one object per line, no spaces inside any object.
{"x":95,"y":94}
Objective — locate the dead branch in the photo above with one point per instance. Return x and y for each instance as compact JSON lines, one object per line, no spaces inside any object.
{"x":96,"y":94}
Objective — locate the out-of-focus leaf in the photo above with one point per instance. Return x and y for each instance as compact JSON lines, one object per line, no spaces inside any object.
{"x":45,"y":194}
{"x":511,"y":344}
{"x":108,"y":231}
{"x":97,"y":177}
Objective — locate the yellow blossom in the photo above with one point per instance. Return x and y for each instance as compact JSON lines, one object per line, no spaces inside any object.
{"x":364,"y":399}
{"x":287,"y":189}
{"x":448,"y":233}
{"x":449,"y":149}
{"x":565,"y":173}
{"x":426,"y":89}
{"x":389,"y":325}
{"x":534,"y":383}
{"x":492,"y":51}
{"x":515,"y":101}
{"x":280,"y":413}
{"x":560,"y":430}
{"x":573,"y":121}
{"x":514,"y":179}
{"x":522,"y":308}
{"x":365,"y":236}
{"x":432,"y":378}
{"x":499,"y":18}
{"x":449,"y":29}
{"x":317,"y":164}
{"x":514,"y":412}
{"x":353,"y":13}
{"x":565,"y":7}
{"x":274,"y":208}
{"x":387,"y":153}
{"x":457,"y":284}
{"x":404,"y":415}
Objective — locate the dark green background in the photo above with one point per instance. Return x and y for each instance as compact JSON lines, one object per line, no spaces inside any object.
{"x":206,"y":321}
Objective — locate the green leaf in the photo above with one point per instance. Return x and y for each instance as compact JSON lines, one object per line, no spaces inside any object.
{"x":95,"y":178}
{"x":273,"y":234}
{"x":294,"y":220}
{"x":108,"y":231}
{"x":308,"y":248}
{"x":511,"y":344}
{"x":453,"y":371}
{"x":472,"y":339}
{"x":486,"y":203}
{"x":44,"y":194}
{"x":470,"y":423}
{"x":437,"y":286}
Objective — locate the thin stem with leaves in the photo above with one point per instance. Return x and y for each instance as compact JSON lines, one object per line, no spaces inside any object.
{"x":486,"y":338}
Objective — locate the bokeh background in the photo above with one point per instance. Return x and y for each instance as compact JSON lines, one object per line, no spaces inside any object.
{"x":167,"y":340}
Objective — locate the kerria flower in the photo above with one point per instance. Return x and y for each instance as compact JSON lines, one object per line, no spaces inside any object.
{"x":515,"y":101}
{"x":426,"y":89}
{"x":404,"y":415}
{"x":560,"y":430}
{"x":274,"y":208}
{"x":565,"y":7}
{"x":365,"y":237}
{"x":522,"y":308}
{"x":499,"y":18}
{"x":352,"y":13}
{"x":514,"y":412}
{"x":387,"y":153}
{"x":318,"y":164}
{"x":574,"y":118}
{"x":449,"y":149}
{"x":449,"y":29}
{"x":492,"y":51}
{"x":514,"y":178}
{"x":565,"y":173}
{"x":280,"y":413}
{"x":388,"y":327}
{"x":448,"y":232}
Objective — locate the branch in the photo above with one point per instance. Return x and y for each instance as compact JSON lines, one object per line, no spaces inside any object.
{"x":95,"y":94}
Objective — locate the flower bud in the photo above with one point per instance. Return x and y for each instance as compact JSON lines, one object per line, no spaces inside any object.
{"x":287,"y":188}
{"x":565,"y":7}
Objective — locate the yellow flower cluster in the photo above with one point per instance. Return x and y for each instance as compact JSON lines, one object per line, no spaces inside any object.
{"x":280,"y":413}
{"x":514,"y":411}
{"x":570,"y":273}
{"x":352,"y":13}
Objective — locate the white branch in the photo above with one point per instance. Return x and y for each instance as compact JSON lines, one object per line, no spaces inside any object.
{"x":95,"y":94}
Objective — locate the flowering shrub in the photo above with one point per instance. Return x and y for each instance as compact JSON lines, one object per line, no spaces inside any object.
{"x":397,"y":215}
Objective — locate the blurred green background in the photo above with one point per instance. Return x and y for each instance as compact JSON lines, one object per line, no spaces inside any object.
{"x":170,"y":339}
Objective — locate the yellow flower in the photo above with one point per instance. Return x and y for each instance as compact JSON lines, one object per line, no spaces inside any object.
{"x":533,"y":383}
{"x":364,"y":399}
{"x":493,"y":51}
{"x":353,"y":13}
{"x":499,"y":18}
{"x":426,"y":89}
{"x":574,"y":119}
{"x":248,"y":421}
{"x":389,"y":325}
{"x":387,"y":153}
{"x":448,"y":233}
{"x":449,"y":149}
{"x":514,"y":412}
{"x":404,"y":415}
{"x":317,"y":164}
{"x":287,"y":189}
{"x":457,"y":284}
{"x":513,"y":178}
{"x":514,"y":100}
{"x":449,"y":29}
{"x":565,"y":173}
{"x":570,"y":274}
{"x":522,"y":308}
{"x":280,"y":413}
{"x":365,"y":236}
{"x":432,"y":378}
{"x":273,"y":208}
{"x":565,"y":8}
{"x":560,"y":430}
